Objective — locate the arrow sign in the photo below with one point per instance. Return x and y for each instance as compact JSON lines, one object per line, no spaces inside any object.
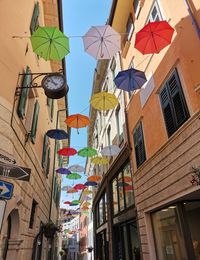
{"x":6,"y":159}
{"x":6,"y":190}
{"x":2,"y":211}
{"x":14,"y":172}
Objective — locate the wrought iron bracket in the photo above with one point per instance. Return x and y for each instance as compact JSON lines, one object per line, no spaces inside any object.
{"x":33,"y":84}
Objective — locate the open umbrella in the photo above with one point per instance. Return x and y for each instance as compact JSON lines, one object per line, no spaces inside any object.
{"x":67,"y":151}
{"x":63,"y":171}
{"x":76,"y":168}
{"x":130,"y":80}
{"x":87,"y":198}
{"x":77,"y":121}
{"x":122,"y":184}
{"x":57,"y":134}
{"x":72,"y":191}
{"x":153,"y":37}
{"x":85,"y":208}
{"x":104,"y":101}
{"x":87,"y":152}
{"x":67,"y":202}
{"x":126,"y":179}
{"x":110,"y":150}
{"x":94,"y":178}
{"x":73,"y":176}
{"x":87,"y":192}
{"x":50,"y":43}
{"x":102,"y":42}
{"x":90,"y":183}
{"x":86,"y":204}
{"x":128,"y":188}
{"x":66,"y":188}
{"x":75,"y":201}
{"x":100,"y":160}
{"x":80,"y":186}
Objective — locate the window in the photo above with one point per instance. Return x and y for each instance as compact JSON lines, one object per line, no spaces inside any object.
{"x":35,"y":18}
{"x":130,"y":28}
{"x":139,"y":144}
{"x":109,"y":135}
{"x":136,"y":5}
{"x":46,"y":155}
{"x":119,"y":124}
{"x":173,"y":103}
{"x":101,"y":210}
{"x":35,"y":121}
{"x":31,"y":222}
{"x":155,"y":13}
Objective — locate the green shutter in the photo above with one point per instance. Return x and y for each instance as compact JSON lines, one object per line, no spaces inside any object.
{"x":35,"y":121}
{"x":52,"y":108}
{"x":24,"y":94}
{"x":48,"y":161}
{"x":34,"y":21}
{"x":44,"y":152}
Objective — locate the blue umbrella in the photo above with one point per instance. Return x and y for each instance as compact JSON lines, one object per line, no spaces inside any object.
{"x":57,"y":134}
{"x":90,"y":183}
{"x":130,"y":79}
{"x":63,"y":171}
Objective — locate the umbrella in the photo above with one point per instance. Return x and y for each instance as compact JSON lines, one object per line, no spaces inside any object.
{"x":86,"y":204}
{"x":67,"y":151}
{"x":50,"y":43}
{"x":87,"y":198}
{"x":80,"y":186}
{"x":102,"y":42}
{"x":85,"y":208}
{"x":73,"y":204}
{"x":87,"y":192}
{"x":65,"y":188}
{"x":110,"y":150}
{"x":73,"y":176}
{"x":63,"y":171}
{"x":126,"y":179}
{"x":90,"y":183}
{"x":77,"y":121}
{"x":104,"y":101}
{"x":75,"y":201}
{"x":87,"y":152}
{"x":57,"y":134}
{"x":128,"y":188}
{"x":67,"y":202}
{"x":76,"y":168}
{"x":94,"y":178}
{"x":130,"y":80}
{"x":100,"y":160}
{"x":122,"y":184}
{"x":72,"y":190}
{"x":153,"y":37}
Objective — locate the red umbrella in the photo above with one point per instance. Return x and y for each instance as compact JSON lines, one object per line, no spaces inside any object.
{"x":153,"y":37}
{"x":128,"y":188}
{"x":79,"y":186}
{"x":67,"y":202}
{"x":67,"y":151}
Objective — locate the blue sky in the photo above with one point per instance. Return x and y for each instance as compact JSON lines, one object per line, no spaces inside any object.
{"x":79,"y":16}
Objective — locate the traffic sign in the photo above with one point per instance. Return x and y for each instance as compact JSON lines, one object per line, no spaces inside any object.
{"x":6,"y":190}
{"x":2,"y":211}
{"x":14,"y":172}
{"x":5,"y":158}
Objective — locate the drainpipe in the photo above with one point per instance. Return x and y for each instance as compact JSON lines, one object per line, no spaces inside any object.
{"x":194,"y":21}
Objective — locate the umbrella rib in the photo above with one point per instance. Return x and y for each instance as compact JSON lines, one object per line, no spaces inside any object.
{"x":58,"y":43}
{"x":42,"y":28}
{"x":113,"y":43}
{"x":107,"y":49}
{"x":94,"y":27}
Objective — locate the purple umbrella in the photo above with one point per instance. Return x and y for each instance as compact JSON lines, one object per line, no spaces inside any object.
{"x":130,"y":80}
{"x":57,"y":134}
{"x":63,"y":171}
{"x":90,"y":183}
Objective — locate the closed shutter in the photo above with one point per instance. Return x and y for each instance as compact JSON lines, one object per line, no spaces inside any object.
{"x":140,"y":153}
{"x":35,"y":121}
{"x":44,"y":151}
{"x":52,"y":108}
{"x":48,"y":161}
{"x":34,"y":21}
{"x":24,"y":93}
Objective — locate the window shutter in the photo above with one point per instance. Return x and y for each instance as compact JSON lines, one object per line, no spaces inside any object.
{"x":34,"y":21}
{"x":44,"y":150}
{"x":24,"y":94}
{"x":48,"y":161}
{"x":35,"y":121}
{"x":178,"y":100}
{"x":139,"y":145}
{"x":52,"y":108}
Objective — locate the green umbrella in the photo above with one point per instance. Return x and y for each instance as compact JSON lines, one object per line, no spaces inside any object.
{"x":75,"y":201}
{"x":73,"y":176}
{"x":87,"y":152}
{"x":50,"y":43}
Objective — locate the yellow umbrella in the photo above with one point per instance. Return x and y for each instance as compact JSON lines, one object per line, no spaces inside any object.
{"x":85,"y":204}
{"x":72,"y":191}
{"x":87,"y":192}
{"x":100,"y":160}
{"x":104,"y":101}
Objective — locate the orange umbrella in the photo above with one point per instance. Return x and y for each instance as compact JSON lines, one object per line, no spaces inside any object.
{"x":85,"y":208}
{"x":77,"y":121}
{"x":72,"y":190}
{"x":94,"y":178}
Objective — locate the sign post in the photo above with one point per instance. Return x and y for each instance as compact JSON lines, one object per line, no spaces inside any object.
{"x":2,"y":212}
{"x":6,"y":190}
{"x":14,"y":172}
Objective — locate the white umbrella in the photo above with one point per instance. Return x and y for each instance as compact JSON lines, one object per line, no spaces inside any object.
{"x":102,"y":42}
{"x":76,"y":168}
{"x":110,"y":150}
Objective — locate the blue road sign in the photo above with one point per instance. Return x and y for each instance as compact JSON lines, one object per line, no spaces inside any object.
{"x":6,"y":190}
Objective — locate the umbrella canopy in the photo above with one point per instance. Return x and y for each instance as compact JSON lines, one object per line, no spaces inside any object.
{"x":57,"y":134}
{"x":86,"y":204}
{"x":104,"y":101}
{"x":67,"y":151}
{"x":67,"y":202}
{"x":77,"y":121}
{"x":50,"y":43}
{"x":80,"y":186}
{"x":90,"y":183}
{"x":100,"y":160}
{"x":85,"y":208}
{"x":126,"y":179}
{"x":102,"y":42}
{"x":75,"y":201}
{"x":73,"y":204}
{"x":153,"y":37}
{"x":72,"y":190}
{"x":122,"y":184}
{"x":73,"y":176}
{"x":66,"y":188}
{"x":94,"y":178}
{"x":110,"y":150}
{"x":76,"y":168}
{"x":63,"y":171}
{"x":130,"y":80}
{"x":87,"y":152}
{"x":87,"y":198}
{"x":87,"y":192}
{"x":128,"y":188}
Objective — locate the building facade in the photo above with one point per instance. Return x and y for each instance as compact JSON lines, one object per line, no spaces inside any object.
{"x":163,"y":126}
{"x":25,"y":117}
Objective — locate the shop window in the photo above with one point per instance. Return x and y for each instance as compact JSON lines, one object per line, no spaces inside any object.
{"x":130,"y":27}
{"x":173,"y":103}
{"x":155,"y":13}
{"x":140,"y":153}
{"x":35,"y":18}
{"x":32,"y":216}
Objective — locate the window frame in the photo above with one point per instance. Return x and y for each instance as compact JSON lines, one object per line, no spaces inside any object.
{"x":137,"y":143}
{"x":159,"y":14}
{"x":33,"y":213}
{"x":130,"y":28}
